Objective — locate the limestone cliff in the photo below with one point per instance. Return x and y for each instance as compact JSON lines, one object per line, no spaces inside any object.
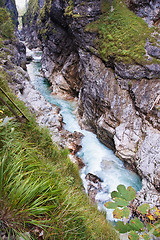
{"x":108,"y":57}
{"x":11,"y":7}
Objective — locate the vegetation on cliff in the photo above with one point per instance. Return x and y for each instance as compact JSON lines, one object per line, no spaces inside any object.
{"x":32,"y":12}
{"x":6,"y":25}
{"x":11,"y":7}
{"x":122,"y":34}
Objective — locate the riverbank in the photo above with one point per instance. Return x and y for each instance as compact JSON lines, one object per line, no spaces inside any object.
{"x":100,"y":161}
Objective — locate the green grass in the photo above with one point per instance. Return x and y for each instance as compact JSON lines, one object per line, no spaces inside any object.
{"x":69,"y":9}
{"x":122,"y":34}
{"x":40,"y":188}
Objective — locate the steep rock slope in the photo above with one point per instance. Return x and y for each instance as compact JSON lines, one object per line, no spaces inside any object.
{"x":30,"y":19}
{"x":11,"y":7}
{"x":106,"y":55}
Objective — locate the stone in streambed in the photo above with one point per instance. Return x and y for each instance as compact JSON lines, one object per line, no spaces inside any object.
{"x":93,"y":185}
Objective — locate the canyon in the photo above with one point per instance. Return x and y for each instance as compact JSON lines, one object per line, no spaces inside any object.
{"x":118,"y":95}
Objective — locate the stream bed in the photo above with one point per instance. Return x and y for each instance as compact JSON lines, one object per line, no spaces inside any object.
{"x":98,"y":159}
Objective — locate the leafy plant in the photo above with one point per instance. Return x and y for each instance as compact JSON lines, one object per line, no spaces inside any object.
{"x":139,"y":222}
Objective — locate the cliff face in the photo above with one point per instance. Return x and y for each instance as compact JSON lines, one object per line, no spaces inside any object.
{"x":8,"y":41}
{"x":115,"y":73}
{"x":30,"y":24}
{"x":11,"y":7}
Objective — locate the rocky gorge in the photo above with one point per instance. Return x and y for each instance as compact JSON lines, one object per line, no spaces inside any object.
{"x":118,"y":91}
{"x":47,"y":115}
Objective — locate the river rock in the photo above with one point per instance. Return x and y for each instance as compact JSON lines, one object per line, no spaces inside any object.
{"x":77,"y":160}
{"x":107,"y":164}
{"x":93,"y":178}
{"x":93,"y":185}
{"x":29,"y":58}
{"x":73,"y":141}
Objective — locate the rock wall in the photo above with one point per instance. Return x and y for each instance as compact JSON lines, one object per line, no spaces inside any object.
{"x":118,"y":101}
{"x":29,"y":21}
{"x":149,"y":10}
{"x":11,"y":6}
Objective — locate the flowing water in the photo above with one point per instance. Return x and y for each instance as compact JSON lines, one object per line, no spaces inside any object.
{"x":98,"y":159}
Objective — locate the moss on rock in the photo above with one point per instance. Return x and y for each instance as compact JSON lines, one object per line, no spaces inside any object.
{"x":122,"y":34}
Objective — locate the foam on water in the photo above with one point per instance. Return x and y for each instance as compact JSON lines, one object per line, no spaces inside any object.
{"x":98,"y":159}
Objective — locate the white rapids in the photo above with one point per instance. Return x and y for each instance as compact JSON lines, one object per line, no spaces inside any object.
{"x":98,"y":159}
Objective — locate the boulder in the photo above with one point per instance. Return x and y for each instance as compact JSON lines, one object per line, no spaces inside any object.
{"x":93,"y":185}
